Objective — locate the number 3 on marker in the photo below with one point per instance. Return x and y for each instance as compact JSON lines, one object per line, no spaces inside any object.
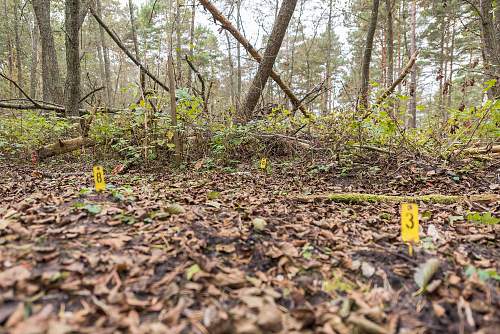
{"x":99,"y":178}
{"x":409,"y":223}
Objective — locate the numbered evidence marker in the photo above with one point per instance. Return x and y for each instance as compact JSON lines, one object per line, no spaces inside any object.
{"x":100,"y":185}
{"x":263,"y":163}
{"x":409,"y":225}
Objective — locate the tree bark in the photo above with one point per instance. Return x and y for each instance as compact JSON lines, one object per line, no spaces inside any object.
{"x":266,"y":66}
{"x":253,"y":52}
{"x":51,"y":78}
{"x":191,"y":42}
{"x":367,"y":56}
{"x":178,"y":41}
{"x":142,"y":77}
{"x":19,"y":64}
{"x":105,"y":58}
{"x":238,"y":56}
{"x":413,"y":83}
{"x":72,"y":92}
{"x":173,"y":110}
{"x":328,"y":79}
{"x":390,"y":41}
{"x":61,"y":147}
{"x":34,"y":59}
{"x":490,"y":34}
{"x":10,"y":51}
{"x":231,"y":69}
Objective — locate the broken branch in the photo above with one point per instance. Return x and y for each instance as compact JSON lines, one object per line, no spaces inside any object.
{"x":116,"y":39}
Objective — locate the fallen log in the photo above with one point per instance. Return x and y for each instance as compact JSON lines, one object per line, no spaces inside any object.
{"x":61,"y":147}
{"x":482,"y":150}
{"x":227,"y":25}
{"x":375,"y":198}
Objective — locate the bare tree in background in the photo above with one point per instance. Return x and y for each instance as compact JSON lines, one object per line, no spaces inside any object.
{"x":105,"y":57}
{"x":51,"y":78}
{"x":490,"y":36}
{"x":142,"y":76}
{"x":328,"y":80}
{"x":72,"y":92}
{"x":19,"y":63}
{"x":367,"y":56}
{"x":412,"y":110}
{"x":266,"y":66}
{"x":34,"y":59}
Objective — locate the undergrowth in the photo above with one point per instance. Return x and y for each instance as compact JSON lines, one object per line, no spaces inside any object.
{"x":145,"y":132}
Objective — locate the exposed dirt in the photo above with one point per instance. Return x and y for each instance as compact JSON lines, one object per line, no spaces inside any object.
{"x":128,"y":260}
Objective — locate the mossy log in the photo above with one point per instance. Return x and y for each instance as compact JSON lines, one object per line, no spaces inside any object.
{"x":61,"y":147}
{"x":375,"y":198}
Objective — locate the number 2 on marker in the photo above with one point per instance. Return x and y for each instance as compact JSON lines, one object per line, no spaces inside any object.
{"x":99,"y":178}
{"x":409,"y":223}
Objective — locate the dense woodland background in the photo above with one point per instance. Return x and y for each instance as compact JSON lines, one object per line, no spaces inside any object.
{"x":337,"y":58}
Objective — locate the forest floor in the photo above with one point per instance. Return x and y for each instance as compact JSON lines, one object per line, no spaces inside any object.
{"x":181,"y":252}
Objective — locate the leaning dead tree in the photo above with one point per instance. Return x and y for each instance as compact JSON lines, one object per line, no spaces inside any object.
{"x":401,"y":77}
{"x":266,"y":65}
{"x":227,"y":25}
{"x":118,"y":42}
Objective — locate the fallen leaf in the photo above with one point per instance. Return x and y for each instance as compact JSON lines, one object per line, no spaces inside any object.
{"x":175,"y":209}
{"x":367,"y":269}
{"x":425,"y":272}
{"x":259,"y":224}
{"x":15,"y":274}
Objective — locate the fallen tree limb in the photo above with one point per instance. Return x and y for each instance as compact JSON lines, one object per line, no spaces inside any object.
{"x":375,"y":198}
{"x":373,"y":148}
{"x":482,"y":150}
{"x":24,"y":106}
{"x":227,"y":25}
{"x":118,"y":42}
{"x":61,"y":147}
{"x":401,"y":77}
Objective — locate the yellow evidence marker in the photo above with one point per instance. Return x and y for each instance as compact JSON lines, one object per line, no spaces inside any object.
{"x":409,"y":225}
{"x":100,"y":185}
{"x":263,"y":163}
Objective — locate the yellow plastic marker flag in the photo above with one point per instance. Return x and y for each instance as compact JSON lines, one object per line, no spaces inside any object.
{"x":409,"y":225}
{"x":263,"y":163}
{"x":100,"y":185}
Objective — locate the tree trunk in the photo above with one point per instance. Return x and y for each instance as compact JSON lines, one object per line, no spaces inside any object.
{"x":367,"y":56}
{"x":238,"y":58}
{"x":72,"y":90}
{"x":390,"y":41}
{"x":266,"y":66}
{"x":173,"y":110}
{"x":191,"y":42}
{"x":441,"y":65}
{"x":452,"y":56}
{"x":178,"y":42}
{"x":10,"y":51}
{"x":491,"y":44}
{"x":51,"y":78}
{"x":254,"y":53}
{"x":105,"y":58}
{"x":231,"y":69}
{"x":19,"y":64}
{"x":328,"y":79}
{"x":142,"y":76}
{"x":412,"y":110}
{"x":34,"y":60}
